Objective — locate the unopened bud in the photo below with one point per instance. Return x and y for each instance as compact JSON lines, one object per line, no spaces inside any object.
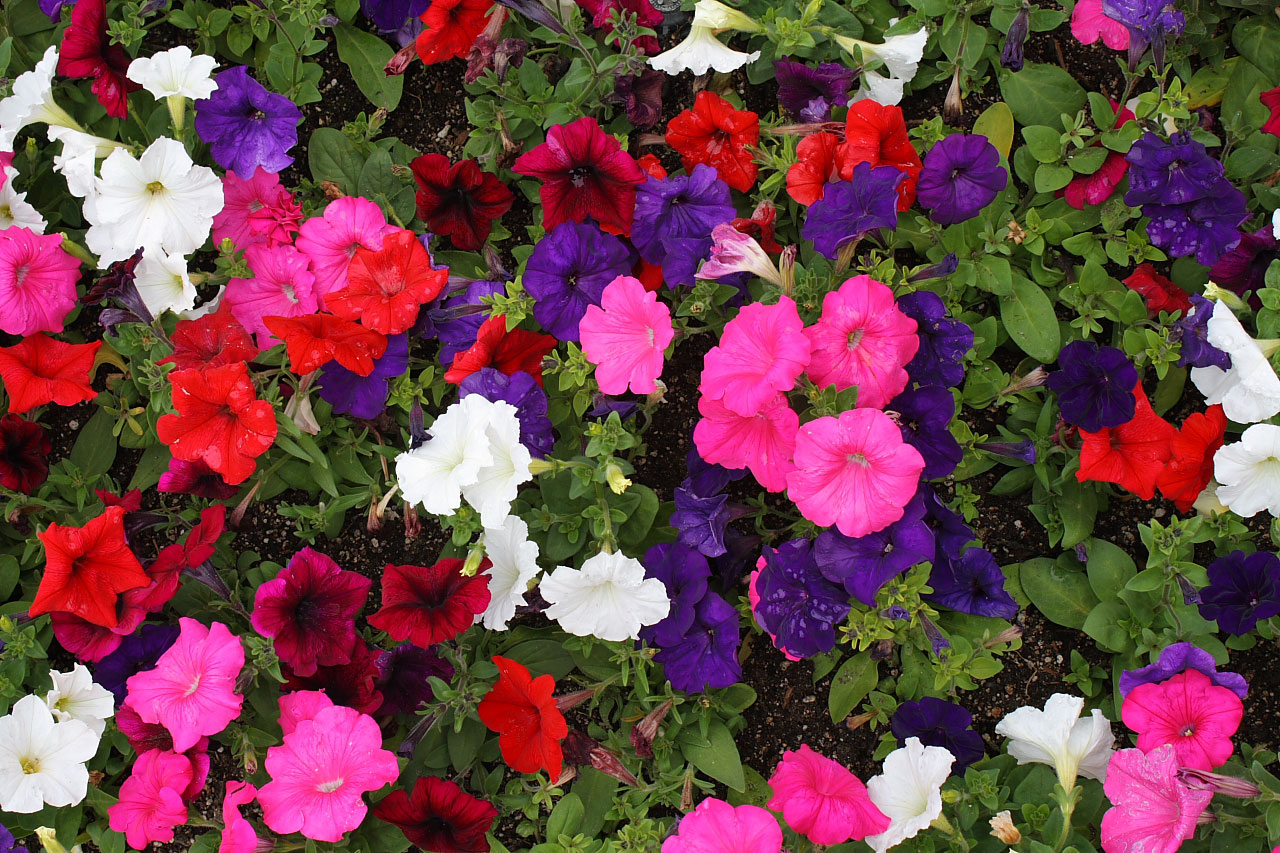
{"x":1228,"y":786}
{"x":475,"y":557}
{"x":573,"y":700}
{"x":542,"y":466}
{"x":614,"y":476}
{"x":1011,"y":56}
{"x":643,"y":733}
{"x":400,"y":62}
{"x":953,"y":106}
{"x":1002,"y":827}
{"x":49,"y":840}
{"x":1034,"y":379}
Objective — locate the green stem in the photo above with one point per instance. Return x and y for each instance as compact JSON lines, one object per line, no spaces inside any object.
{"x":1067,"y":803}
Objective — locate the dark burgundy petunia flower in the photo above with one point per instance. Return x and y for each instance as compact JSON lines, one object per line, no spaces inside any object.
{"x":459,"y":200}
{"x":87,"y":52}
{"x":24,"y":454}
{"x":403,"y":674}
{"x":195,"y":478}
{"x":353,"y":684}
{"x":1245,"y":267}
{"x":439,"y":816}
{"x":640,"y":97}
{"x":430,"y":604}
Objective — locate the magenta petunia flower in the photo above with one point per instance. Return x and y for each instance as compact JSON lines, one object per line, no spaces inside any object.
{"x":822,"y":800}
{"x":1152,"y":810}
{"x":717,"y":827}
{"x":238,"y":835}
{"x":255,"y":210}
{"x":300,"y":705}
{"x":1188,"y":711}
{"x":761,"y":352}
{"x":191,"y":691}
{"x":282,"y":286}
{"x":854,"y":471}
{"x":764,"y":442}
{"x":330,"y":240}
{"x":626,"y":338}
{"x":151,"y":802}
{"x":862,"y":339}
{"x":37,"y":282}
{"x":1090,"y":23}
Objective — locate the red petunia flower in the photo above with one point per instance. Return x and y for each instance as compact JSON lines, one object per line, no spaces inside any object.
{"x":385,"y":289}
{"x":1271,"y":100}
{"x":314,"y":340}
{"x":86,"y":568}
{"x":130,"y":501}
{"x":815,"y":166}
{"x":716,"y":134}
{"x":220,"y":420}
{"x":584,"y":173}
{"x":1191,"y":458}
{"x":44,"y":370}
{"x":202,"y":542}
{"x":210,"y":341}
{"x":508,"y":351}
{"x":760,"y":226}
{"x":523,"y":712}
{"x":651,"y":166}
{"x":88,"y":642}
{"x":449,"y":29}
{"x":165,"y":572}
{"x":430,"y":604}
{"x":353,"y":684}
{"x":87,"y":51}
{"x":1132,"y":455}
{"x":1158,"y":292}
{"x":24,"y":454}
{"x":459,"y":200}
{"x":877,"y":134}
{"x":1099,"y":186}
{"x":439,"y":816}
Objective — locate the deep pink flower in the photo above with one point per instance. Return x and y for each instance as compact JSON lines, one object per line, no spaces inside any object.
{"x":330,"y":240}
{"x":854,"y":471}
{"x":764,"y":442}
{"x":761,"y":352}
{"x":862,"y":339}
{"x":717,"y":827}
{"x":1152,"y":811}
{"x":301,"y":705}
{"x":352,"y":684}
{"x":151,"y":803}
{"x":37,"y":282}
{"x":310,"y":609}
{"x":1089,"y":23}
{"x":822,"y":800}
{"x":1188,"y":711}
{"x":282,"y":286}
{"x":238,"y":835}
{"x":191,"y":692}
{"x":195,"y":478}
{"x":257,"y":210}
{"x":626,"y":338}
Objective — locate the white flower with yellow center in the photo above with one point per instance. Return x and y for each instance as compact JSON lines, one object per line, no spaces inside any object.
{"x":42,"y":761}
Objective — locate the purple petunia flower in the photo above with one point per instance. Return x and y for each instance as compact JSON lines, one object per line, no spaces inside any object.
{"x":971,"y":584}
{"x":962,"y":174}
{"x":684,"y":572}
{"x":808,"y":93}
{"x":390,"y":15}
{"x":457,"y":317}
{"x":1243,"y":588}
{"x":708,"y":478}
{"x":138,"y":652}
{"x":1174,"y":171}
{"x":1094,"y":386}
{"x":1023,"y":451}
{"x":865,"y":564}
{"x":568,"y":271}
{"x":606,"y":406}
{"x":799,"y":606}
{"x":1011,"y":55}
{"x":364,"y":396}
{"x":849,"y":209}
{"x":8,"y":844}
{"x":706,"y":655}
{"x":675,"y":215}
{"x":939,"y":723}
{"x":1245,"y":267}
{"x":743,"y":551}
{"x":951,"y":533}
{"x":522,"y":391}
{"x":924,"y":416}
{"x":1206,"y":228}
{"x":943,"y":341}
{"x":247,"y":126}
{"x":701,"y":521}
{"x":402,"y":677}
{"x":1149,"y":22}
{"x":1192,"y":331}
{"x":1179,"y":658}
{"x":53,"y":8}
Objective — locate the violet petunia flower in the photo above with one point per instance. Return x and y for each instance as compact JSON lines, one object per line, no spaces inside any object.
{"x":701,"y":521}
{"x":568,"y":271}
{"x":850,"y":209}
{"x":457,"y":318}
{"x":799,"y":606}
{"x":522,"y":391}
{"x":707,"y":478}
{"x":53,"y":8}
{"x":924,"y":416}
{"x":1149,"y":22}
{"x":365,"y":396}
{"x":809,"y":94}
{"x":1177,"y":658}
{"x":962,"y":174}
{"x":1011,"y":55}
{"x":943,"y":341}
{"x":865,"y":564}
{"x":8,"y":844}
{"x":1191,"y":330}
{"x":1207,"y":228}
{"x":1168,"y":172}
{"x":675,"y":215}
{"x":951,"y":533}
{"x":1245,"y":267}
{"x":402,"y":677}
{"x":247,"y":126}
{"x":1243,"y":589}
{"x":684,"y":572}
{"x":939,"y":723}
{"x":971,"y":584}
{"x":1094,"y":386}
{"x":138,"y":652}
{"x":706,"y":656}
{"x":390,"y":15}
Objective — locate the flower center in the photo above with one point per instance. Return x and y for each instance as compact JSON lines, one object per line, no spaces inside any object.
{"x":579,"y":174}
{"x":29,"y":765}
{"x":195,"y":685}
{"x":20,"y":274}
{"x":649,"y":331}
{"x":1188,"y":730}
{"x":857,"y":459}
{"x":155,"y":187}
{"x":330,"y":786}
{"x":6,"y":212}
{"x":855,"y":338}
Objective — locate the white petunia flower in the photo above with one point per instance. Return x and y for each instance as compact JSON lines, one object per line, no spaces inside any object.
{"x":700,"y":52}
{"x":1248,"y":472}
{"x":718,"y":16}
{"x":901,"y":57}
{"x":909,"y":791}
{"x":78,"y":162}
{"x":164,"y":284}
{"x":42,"y":762}
{"x":1250,"y":391}
{"x":1060,"y":738}
{"x":609,"y":598}
{"x":434,"y":473}
{"x":513,"y":563}
{"x":496,"y":484}
{"x":175,"y":72}
{"x":32,"y":101}
{"x":886,"y":91}
{"x":14,"y":210}
{"x":75,"y":696}
{"x":161,"y":201}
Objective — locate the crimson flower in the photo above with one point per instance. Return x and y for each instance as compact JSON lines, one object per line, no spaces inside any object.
{"x":220,"y":420}
{"x":449,"y":28}
{"x":42,"y":370}
{"x":1191,"y":457}
{"x":815,"y":166}
{"x":459,"y":200}
{"x":1158,"y":292}
{"x":584,"y":173}
{"x":439,"y":816}
{"x":1271,"y":100}
{"x":1132,"y":455}
{"x":87,"y":52}
{"x":430,"y":604}
{"x":24,"y":454}
{"x":761,"y":226}
{"x":195,"y":478}
{"x":715,"y":133}
{"x":86,"y":568}
{"x":877,"y":134}
{"x":314,"y":340}
{"x":353,"y":684}
{"x":385,"y":288}
{"x":202,"y":542}
{"x":508,"y":351}
{"x":210,"y":341}
{"x":523,"y":712}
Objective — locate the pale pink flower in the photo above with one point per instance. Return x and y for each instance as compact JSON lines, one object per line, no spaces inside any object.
{"x":1152,"y":811}
{"x":151,"y":803}
{"x":37,"y":282}
{"x":238,"y":835}
{"x":854,"y":471}
{"x":625,"y":337}
{"x":191,"y":691}
{"x":822,"y":800}
{"x":258,"y":210}
{"x":761,"y":352}
{"x":734,"y":252}
{"x":320,"y":774}
{"x":282,"y":286}
{"x":1089,"y":23}
{"x":862,"y":339}
{"x":764,"y":442}
{"x":717,"y":827}
{"x":330,"y":241}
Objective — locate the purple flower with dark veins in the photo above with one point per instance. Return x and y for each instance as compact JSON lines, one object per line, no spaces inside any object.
{"x":247,"y":126}
{"x":1149,"y":22}
{"x":684,"y":572}
{"x":1173,"y":171}
{"x":943,"y":341}
{"x":950,"y":531}
{"x":962,"y":174}
{"x":850,"y":209}
{"x":971,"y":584}
{"x":568,"y":271}
{"x":701,"y":521}
{"x":673,"y":214}
{"x":707,"y":655}
{"x":865,"y":564}
{"x":1094,"y":386}
{"x":808,"y":93}
{"x":640,"y":97}
{"x":924,"y":416}
{"x":799,"y":606}
{"x":1192,"y":331}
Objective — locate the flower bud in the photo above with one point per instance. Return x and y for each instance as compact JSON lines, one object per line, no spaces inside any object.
{"x":613,"y":475}
{"x":399,"y":63}
{"x":49,"y":840}
{"x":643,"y":733}
{"x":1002,"y":827}
{"x":953,"y":106}
{"x":573,"y":700}
{"x":1024,"y":451}
{"x":1228,"y":786}
{"x":718,"y":16}
{"x":1011,"y":56}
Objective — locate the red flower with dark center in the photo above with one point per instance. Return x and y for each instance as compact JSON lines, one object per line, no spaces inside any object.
{"x":1271,"y":100}
{"x":42,"y":370}
{"x":353,"y":684}
{"x":86,"y":568}
{"x":523,"y":712}
{"x":439,"y":816}
{"x":220,"y":420}
{"x":385,"y":289}
{"x":1191,"y":459}
{"x":509,"y":352}
{"x":815,"y":166}
{"x":430,"y":604}
{"x":584,"y":173}
{"x":449,"y":29}
{"x":314,"y":340}
{"x":760,"y":226}
{"x":24,"y":454}
{"x":1132,"y":455}
{"x":210,"y":341}
{"x":716,"y":134}
{"x":460,"y":201}
{"x":86,"y":51}
{"x":309,"y":610}
{"x":877,"y":135}
{"x":1158,"y":292}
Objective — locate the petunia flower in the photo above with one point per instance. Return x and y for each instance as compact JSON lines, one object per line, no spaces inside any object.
{"x":150,"y":803}
{"x":219,"y":420}
{"x":508,"y":350}
{"x":1094,"y":386}
{"x":1149,"y":22}
{"x":936,"y":722}
{"x":809,"y":94}
{"x":257,"y":209}
{"x":164,"y":284}
{"x":1089,"y":23}
{"x":42,"y":761}
{"x":314,"y":340}
{"x":512,"y":559}
{"x":1247,"y":472}
{"x":1245,"y":267}
{"x":700,"y":52}
{"x":849,"y":210}
{"x":674,"y":219}
{"x":1152,"y":810}
{"x":1188,"y":711}
{"x":496,"y":485}
{"x":78,"y":160}
{"x":430,"y":604}
{"x":212,"y":340}
{"x":136,"y":653}
{"x":684,"y":573}
{"x":1158,"y":292}
{"x":459,"y":200}
{"x":908,"y":791}
{"x":365,"y":396}
{"x":1249,"y":391}
{"x":434,"y":473}
{"x":877,"y":135}
{"x":353,"y":684}
{"x":521,"y":709}
{"x":1059,"y":737}
{"x":822,"y":800}
{"x":1132,"y":455}
{"x":972,"y":583}
{"x":798,"y":606}
{"x":439,"y":815}
{"x":761,"y":352}
{"x":717,"y":827}
{"x":568,"y":271}
{"x":403,"y":676}
{"x":330,"y":241}
{"x":282,"y":285}
{"x":1190,"y":466}
{"x":733,"y":251}
{"x":37,"y":282}
{"x":32,"y":101}
{"x":14,"y":209}
{"x":75,"y":696}
{"x":24,"y":454}
{"x":863,"y":565}
{"x":764,"y":442}
{"x":626,"y":337}
{"x":943,"y":341}
{"x":238,"y":835}
{"x":87,"y":51}
{"x":1243,"y":589}
{"x":449,"y":27}
{"x":1181,"y":657}
{"x":247,"y":126}
{"x":86,"y":568}
{"x":609,"y":597}
{"x":715,"y":134}
{"x":387,"y":287}
{"x":175,"y":72}
{"x":705,"y":655}
{"x":962,"y":174}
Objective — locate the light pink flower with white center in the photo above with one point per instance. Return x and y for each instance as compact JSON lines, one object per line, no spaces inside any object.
{"x":1152,"y":811}
{"x":330,"y":240}
{"x":626,"y":337}
{"x":282,"y":286}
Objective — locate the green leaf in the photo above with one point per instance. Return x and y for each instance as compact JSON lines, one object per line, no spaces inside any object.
{"x":10,"y":571}
{"x":1257,"y":38}
{"x":1101,"y":626}
{"x":640,"y":519}
{"x":95,"y":447}
{"x":154,"y":462}
{"x":332,"y":157}
{"x":856,"y":678}
{"x":542,"y":657}
{"x":1062,"y":594}
{"x":1109,"y":569}
{"x":464,"y":745}
{"x":1079,"y":509}
{"x":367,"y":57}
{"x":596,"y":790}
{"x":996,"y":124}
{"x":1052,"y":177}
{"x":1147,"y":580}
{"x":566,"y":817}
{"x":1044,"y":143}
{"x":717,"y":756}
{"x":1027,"y":315}
{"x":1040,"y":94}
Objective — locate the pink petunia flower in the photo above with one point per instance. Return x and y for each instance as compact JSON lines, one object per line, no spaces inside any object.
{"x":282,"y":286}
{"x":761,"y":352}
{"x":191,"y":691}
{"x":330,"y":241}
{"x":717,"y":827}
{"x":625,"y":336}
{"x":37,"y":282}
{"x":151,"y":803}
{"x":301,"y":705}
{"x":1152,"y":811}
{"x":854,"y":471}
{"x":321,"y":772}
{"x":1089,"y":23}
{"x":862,"y":339}
{"x":764,"y":442}
{"x":822,"y":800}
{"x":238,"y":835}
{"x":1188,"y":711}
{"x":255,"y":211}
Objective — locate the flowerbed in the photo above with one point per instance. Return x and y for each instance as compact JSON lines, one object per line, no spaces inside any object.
{"x":619,"y":426}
